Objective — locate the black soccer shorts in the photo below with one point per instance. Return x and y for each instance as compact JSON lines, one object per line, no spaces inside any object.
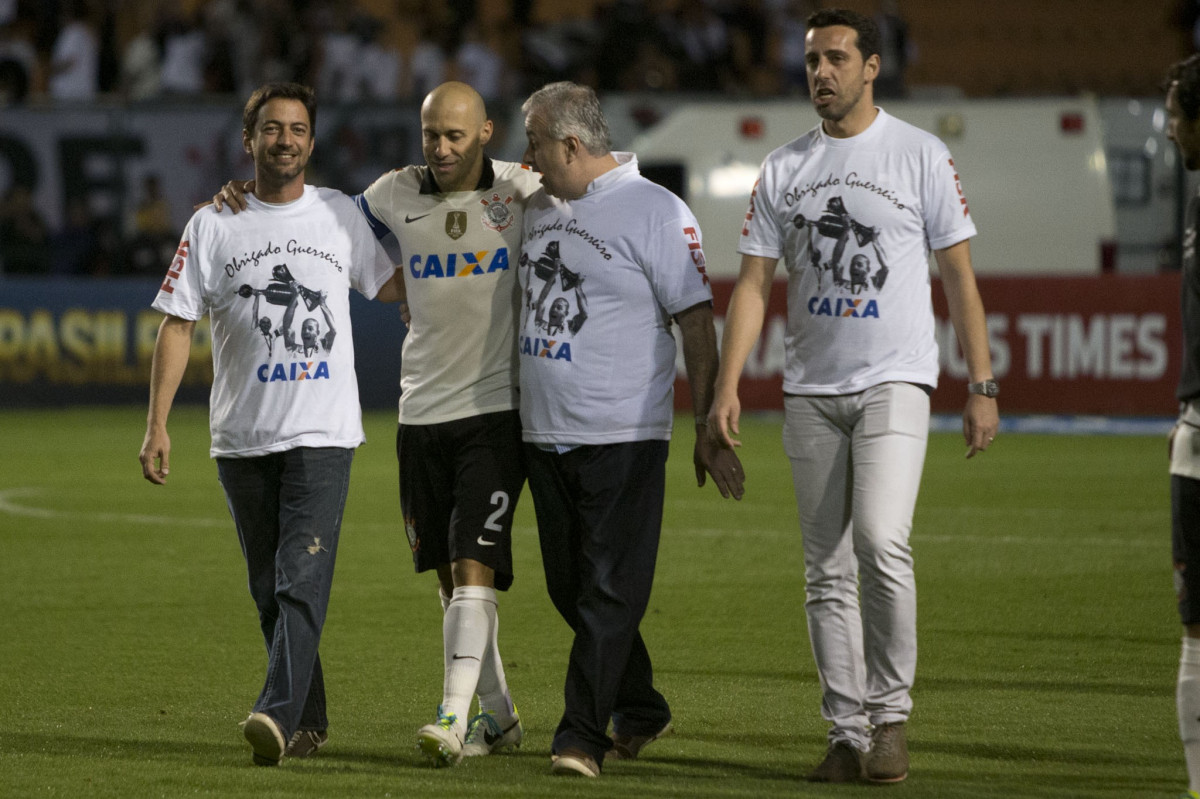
{"x":1185,"y":545}
{"x":459,"y":486}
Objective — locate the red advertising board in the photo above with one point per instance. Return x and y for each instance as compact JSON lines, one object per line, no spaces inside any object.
{"x":1105,"y":345}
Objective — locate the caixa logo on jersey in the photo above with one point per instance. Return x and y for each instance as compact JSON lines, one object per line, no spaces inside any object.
{"x":537,"y":347}
{"x":458,"y":264}
{"x":847,"y":307}
{"x":296,"y":370}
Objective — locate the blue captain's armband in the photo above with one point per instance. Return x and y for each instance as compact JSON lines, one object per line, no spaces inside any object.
{"x":378,"y":228}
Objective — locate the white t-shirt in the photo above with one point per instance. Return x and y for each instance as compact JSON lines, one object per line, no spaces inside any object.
{"x":459,"y":254}
{"x":855,"y":220}
{"x":275,"y":280}
{"x":601,"y":277}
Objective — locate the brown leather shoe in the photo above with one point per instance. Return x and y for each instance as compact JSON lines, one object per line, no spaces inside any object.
{"x":842,"y":763}
{"x":305,"y":743}
{"x":626,"y":747}
{"x":888,"y":760}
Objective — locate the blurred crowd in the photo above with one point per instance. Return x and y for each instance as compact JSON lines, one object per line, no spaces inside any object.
{"x":387,"y":50}
{"x":62,"y":52}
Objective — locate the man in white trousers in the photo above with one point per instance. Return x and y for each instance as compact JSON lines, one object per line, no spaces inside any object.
{"x":864,"y":197}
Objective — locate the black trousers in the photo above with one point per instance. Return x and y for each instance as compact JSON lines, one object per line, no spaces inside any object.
{"x":1185,"y":545}
{"x":599,"y":515}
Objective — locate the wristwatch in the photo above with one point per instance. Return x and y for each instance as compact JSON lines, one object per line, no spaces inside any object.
{"x":988,"y":388}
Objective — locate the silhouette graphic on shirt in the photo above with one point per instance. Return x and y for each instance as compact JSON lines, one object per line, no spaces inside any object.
{"x":284,"y":290}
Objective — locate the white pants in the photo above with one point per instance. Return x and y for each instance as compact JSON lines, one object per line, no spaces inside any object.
{"x":856,"y":467}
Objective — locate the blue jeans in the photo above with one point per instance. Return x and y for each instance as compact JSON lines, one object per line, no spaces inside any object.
{"x":599,"y":515}
{"x":287,"y":507}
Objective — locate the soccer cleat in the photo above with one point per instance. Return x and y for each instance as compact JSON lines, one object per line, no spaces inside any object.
{"x":574,"y":763}
{"x":888,"y":760}
{"x":486,"y":737}
{"x":1190,"y":795}
{"x":266,"y":739}
{"x":441,"y":741}
{"x":626,"y":747}
{"x":305,"y":743}
{"x":842,"y":763}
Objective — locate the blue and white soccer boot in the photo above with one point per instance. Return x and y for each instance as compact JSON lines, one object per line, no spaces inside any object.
{"x":441,"y":741}
{"x":485,"y":736}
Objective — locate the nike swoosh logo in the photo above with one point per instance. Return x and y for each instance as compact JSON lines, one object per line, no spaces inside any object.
{"x":464,"y":657}
{"x":484,"y":543}
{"x":408,"y":218}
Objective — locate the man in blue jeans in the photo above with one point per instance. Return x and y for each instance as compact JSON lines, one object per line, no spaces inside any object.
{"x":284,"y":421}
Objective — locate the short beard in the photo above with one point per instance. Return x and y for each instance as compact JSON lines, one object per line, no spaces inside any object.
{"x":271,"y":176}
{"x":837,"y":111}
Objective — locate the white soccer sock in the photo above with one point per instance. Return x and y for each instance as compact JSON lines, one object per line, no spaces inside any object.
{"x":493,"y":688}
{"x":1187,"y":700}
{"x":466,"y":631}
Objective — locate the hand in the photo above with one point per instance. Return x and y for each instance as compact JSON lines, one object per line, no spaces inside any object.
{"x":981,"y":421}
{"x":156,"y":456}
{"x":232,"y":194}
{"x":405,"y":316}
{"x":721,"y":462}
{"x":723,"y":419}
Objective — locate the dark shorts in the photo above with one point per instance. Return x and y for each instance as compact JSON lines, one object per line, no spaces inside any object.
{"x":459,"y":486}
{"x":1185,"y":545}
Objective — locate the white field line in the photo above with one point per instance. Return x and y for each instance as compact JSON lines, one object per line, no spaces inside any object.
{"x":10,"y":506}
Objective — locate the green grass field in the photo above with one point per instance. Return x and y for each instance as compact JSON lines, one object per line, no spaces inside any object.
{"x":129,"y":649}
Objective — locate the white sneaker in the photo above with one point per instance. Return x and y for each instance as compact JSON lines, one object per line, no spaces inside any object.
{"x":266,"y":739}
{"x":441,"y":741}
{"x":574,"y":763}
{"x":485,"y":736}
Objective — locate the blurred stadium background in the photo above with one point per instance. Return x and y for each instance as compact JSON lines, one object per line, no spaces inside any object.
{"x":117,"y":116}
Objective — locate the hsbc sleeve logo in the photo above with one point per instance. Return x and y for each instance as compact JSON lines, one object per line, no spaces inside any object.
{"x":962,"y":200}
{"x":696,"y":251}
{"x":176,"y":268}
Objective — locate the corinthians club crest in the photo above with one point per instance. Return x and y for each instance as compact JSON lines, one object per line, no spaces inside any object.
{"x":496,"y":213}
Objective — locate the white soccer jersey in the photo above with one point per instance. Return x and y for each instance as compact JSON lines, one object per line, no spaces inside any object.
{"x":459,"y":255}
{"x":275,"y":279}
{"x":601,"y":276}
{"x":855,"y":220}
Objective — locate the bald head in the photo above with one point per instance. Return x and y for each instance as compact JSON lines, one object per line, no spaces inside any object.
{"x":454,"y":129}
{"x":456,"y":96}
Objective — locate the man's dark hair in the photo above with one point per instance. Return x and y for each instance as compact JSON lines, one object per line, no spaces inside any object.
{"x":273,"y":91}
{"x":1185,"y":75}
{"x":868,"y":32}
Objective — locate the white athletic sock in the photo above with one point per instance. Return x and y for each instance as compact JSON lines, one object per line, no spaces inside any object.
{"x":444,"y":597}
{"x":466,"y":631}
{"x":493,"y":688}
{"x":1187,"y":700}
